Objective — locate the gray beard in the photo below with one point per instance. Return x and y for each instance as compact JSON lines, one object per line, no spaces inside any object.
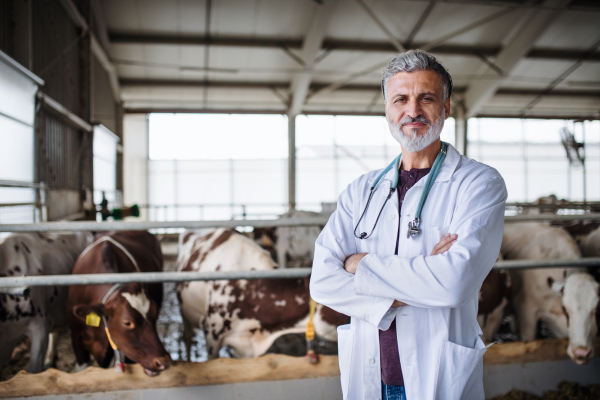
{"x":414,"y":143}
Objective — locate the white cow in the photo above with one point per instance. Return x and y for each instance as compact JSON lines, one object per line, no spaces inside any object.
{"x":564,"y":298}
{"x":248,"y":315}
{"x":36,"y":313}
{"x":294,"y":246}
{"x":590,"y":244}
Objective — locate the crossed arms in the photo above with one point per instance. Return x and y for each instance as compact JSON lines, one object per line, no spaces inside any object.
{"x":449,"y":277}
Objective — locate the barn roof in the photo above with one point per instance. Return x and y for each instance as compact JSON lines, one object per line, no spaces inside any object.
{"x":508,"y":58}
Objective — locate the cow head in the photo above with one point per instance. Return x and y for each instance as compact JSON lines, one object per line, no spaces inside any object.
{"x":131,"y":318}
{"x":581,"y":299}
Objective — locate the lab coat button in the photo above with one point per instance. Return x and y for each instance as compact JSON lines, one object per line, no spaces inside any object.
{"x":371,"y":361}
{"x":392,"y":216}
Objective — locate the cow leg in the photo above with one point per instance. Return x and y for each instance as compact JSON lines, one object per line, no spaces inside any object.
{"x":9,"y":341}
{"x":82,"y":355}
{"x":281,"y":256}
{"x":188,"y":337}
{"x":493,"y":321}
{"x":50,"y":357}
{"x":528,"y":318}
{"x":39,"y":333}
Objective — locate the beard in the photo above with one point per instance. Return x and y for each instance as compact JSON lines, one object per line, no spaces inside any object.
{"x":415,"y":142}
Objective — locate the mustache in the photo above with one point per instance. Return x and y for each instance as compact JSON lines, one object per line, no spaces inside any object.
{"x":418,"y":118}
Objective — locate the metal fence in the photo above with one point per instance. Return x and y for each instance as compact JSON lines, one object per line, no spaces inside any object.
{"x":20,"y":285}
{"x":20,"y":213}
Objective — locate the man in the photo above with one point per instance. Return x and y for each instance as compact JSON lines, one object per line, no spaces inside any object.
{"x":410,"y":286}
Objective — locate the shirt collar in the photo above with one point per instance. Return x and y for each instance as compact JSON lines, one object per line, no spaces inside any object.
{"x":448,"y":167}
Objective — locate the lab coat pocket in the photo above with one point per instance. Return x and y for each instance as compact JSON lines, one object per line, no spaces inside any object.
{"x":457,"y":364}
{"x":345,"y":345}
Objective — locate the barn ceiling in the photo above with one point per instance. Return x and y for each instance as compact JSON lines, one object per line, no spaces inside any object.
{"x":514,"y":58}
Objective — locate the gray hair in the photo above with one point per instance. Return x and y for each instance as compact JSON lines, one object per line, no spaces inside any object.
{"x":417,"y":60}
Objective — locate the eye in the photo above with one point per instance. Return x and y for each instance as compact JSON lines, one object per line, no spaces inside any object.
{"x":129,"y":324}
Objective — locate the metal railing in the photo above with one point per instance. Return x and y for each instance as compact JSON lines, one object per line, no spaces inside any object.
{"x":40,"y":209}
{"x":258,"y":223}
{"x":21,"y":283}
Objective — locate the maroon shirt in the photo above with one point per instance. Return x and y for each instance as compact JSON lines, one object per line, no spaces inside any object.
{"x":391,"y":371}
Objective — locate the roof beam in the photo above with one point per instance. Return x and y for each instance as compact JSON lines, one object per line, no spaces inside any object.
{"x":537,"y":23}
{"x":310,"y":50}
{"x":336,"y":45}
{"x":393,"y":40}
{"x":97,"y":49}
{"x":129,"y":83}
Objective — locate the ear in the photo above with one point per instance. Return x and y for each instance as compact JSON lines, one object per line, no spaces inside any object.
{"x":447,"y":108}
{"x":558,"y":287}
{"x":82,"y":311}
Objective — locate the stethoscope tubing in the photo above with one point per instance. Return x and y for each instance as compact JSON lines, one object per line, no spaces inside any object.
{"x":413,"y":226}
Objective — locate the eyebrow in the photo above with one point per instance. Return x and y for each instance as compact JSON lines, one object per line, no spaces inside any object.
{"x":420,"y":94}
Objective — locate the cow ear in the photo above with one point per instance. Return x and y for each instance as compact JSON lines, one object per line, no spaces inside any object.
{"x":82,"y":311}
{"x":558,"y":287}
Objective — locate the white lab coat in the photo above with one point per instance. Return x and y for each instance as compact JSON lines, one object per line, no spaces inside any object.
{"x":439,"y":341}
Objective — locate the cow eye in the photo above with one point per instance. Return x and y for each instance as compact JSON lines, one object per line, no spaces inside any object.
{"x":129,"y":324}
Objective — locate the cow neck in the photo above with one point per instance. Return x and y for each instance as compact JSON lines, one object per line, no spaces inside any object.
{"x":119,"y":245}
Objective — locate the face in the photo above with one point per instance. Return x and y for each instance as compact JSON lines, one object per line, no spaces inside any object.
{"x":415,"y":108}
{"x":580,"y":298}
{"x":132,"y":324}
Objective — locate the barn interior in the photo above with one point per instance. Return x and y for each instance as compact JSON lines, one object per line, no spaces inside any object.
{"x":165,"y":115}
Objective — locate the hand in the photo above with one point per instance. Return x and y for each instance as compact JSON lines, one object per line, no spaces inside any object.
{"x":351,"y":263}
{"x":397,"y":303}
{"x":445,"y":243}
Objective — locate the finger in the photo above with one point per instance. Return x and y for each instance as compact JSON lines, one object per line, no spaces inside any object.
{"x":443,"y":241}
{"x":446,"y":247}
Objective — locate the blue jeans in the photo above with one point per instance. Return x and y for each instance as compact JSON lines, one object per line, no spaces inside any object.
{"x":391,"y":392}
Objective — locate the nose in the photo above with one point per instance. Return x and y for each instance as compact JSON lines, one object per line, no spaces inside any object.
{"x":582,"y":352}
{"x":413,"y":108}
{"x":162,"y":363}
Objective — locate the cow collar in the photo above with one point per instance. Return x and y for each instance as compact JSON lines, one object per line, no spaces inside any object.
{"x":119,"y":367}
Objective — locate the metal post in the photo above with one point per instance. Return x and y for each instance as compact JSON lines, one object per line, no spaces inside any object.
{"x":336,"y":160}
{"x":460,"y":130}
{"x":583,"y":163}
{"x":231,"y":189}
{"x":525,"y":166}
{"x":291,"y":162}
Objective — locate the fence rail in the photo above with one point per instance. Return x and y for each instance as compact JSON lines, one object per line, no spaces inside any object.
{"x":258,"y":223}
{"x":24,"y":282}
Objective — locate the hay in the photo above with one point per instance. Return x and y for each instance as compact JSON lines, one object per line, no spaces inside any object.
{"x":566,"y":391}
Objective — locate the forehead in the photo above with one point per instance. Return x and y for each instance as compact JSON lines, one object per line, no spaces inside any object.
{"x":580,"y":291}
{"x":414,"y":82}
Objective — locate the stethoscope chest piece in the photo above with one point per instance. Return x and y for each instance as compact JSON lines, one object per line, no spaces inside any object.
{"x":413,"y":228}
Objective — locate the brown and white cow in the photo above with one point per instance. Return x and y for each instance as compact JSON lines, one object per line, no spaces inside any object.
{"x":565,"y":298}
{"x":130,"y":310}
{"x":248,"y":315}
{"x":494,"y":296}
{"x":40,"y":309}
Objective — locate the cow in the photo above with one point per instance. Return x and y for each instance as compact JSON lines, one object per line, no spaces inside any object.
{"x":248,"y":315}
{"x":39,"y":309}
{"x":565,"y":298}
{"x":294,"y":246}
{"x":129,"y":311}
{"x":494,"y":296}
{"x":590,"y":244}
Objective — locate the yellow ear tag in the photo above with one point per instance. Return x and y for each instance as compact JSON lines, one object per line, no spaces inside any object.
{"x":92,"y":319}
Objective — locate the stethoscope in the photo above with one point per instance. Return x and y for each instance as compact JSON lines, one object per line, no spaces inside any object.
{"x":413,"y":226}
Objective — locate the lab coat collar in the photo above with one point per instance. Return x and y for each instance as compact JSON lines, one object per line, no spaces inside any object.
{"x":448,"y":167}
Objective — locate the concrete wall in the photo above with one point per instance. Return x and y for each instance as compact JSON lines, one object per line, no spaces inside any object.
{"x":135,"y":161}
{"x":535,"y":378}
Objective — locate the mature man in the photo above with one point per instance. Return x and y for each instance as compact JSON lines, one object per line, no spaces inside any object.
{"x":386,"y":257}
